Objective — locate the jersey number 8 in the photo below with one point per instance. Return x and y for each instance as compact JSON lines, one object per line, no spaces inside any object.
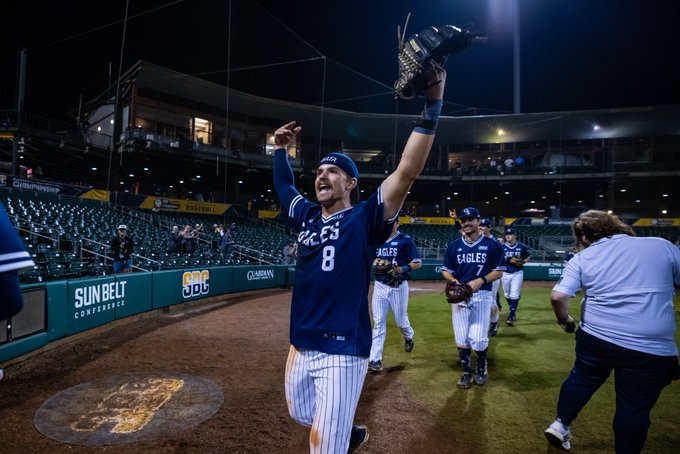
{"x":328,"y":259}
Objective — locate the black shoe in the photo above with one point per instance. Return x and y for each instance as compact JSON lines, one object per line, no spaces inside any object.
{"x":408,"y":345}
{"x":375,"y":366}
{"x":465,"y":380}
{"x":359,"y":437}
{"x":493,"y":329}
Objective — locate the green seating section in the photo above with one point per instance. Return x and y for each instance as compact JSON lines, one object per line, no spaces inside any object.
{"x":69,"y":239}
{"x":433,"y":235}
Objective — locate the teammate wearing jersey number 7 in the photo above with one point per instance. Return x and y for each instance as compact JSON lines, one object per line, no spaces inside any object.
{"x":330,"y":326}
{"x":477,"y":261}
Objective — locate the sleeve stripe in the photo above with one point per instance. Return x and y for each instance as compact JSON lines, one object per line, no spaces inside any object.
{"x":291,"y":208}
{"x":13,"y":255}
{"x":17,"y":266}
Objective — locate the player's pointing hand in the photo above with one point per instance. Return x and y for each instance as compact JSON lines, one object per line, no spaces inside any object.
{"x":286,"y":133}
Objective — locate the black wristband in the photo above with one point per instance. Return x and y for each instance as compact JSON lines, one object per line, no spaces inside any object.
{"x":426,"y":124}
{"x":486,"y":281}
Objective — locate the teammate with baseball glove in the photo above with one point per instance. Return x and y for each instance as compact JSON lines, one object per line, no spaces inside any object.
{"x":471,"y":264}
{"x":382,"y":269}
{"x":516,"y":255}
{"x":421,"y":50}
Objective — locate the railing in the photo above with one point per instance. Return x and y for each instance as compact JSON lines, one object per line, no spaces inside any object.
{"x":254,"y":254}
{"x":107,"y":258}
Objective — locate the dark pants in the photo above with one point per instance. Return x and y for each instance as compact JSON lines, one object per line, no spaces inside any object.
{"x":639,"y":378}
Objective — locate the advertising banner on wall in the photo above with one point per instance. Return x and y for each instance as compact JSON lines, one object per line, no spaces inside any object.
{"x":184,"y":206}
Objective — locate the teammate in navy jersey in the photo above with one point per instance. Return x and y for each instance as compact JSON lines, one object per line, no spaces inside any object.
{"x":391,"y":291}
{"x":477,"y":261}
{"x":13,"y":258}
{"x":330,"y":326}
{"x":515,"y":255}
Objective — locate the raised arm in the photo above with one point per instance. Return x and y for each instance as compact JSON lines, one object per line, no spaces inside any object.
{"x":284,"y":180}
{"x":396,"y":186}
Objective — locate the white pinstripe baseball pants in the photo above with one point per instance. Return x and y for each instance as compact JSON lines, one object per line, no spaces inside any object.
{"x":322,"y":391}
{"x":495,"y":311}
{"x":384,"y":298}
{"x":512,"y":284}
{"x":471,"y":321}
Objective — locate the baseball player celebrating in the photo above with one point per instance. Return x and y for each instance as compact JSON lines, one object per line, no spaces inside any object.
{"x":516,"y":255}
{"x":330,"y":326}
{"x":391,"y":291}
{"x":477,"y":261}
{"x":485,"y":229}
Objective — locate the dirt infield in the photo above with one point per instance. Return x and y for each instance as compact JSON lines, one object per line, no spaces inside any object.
{"x":240,"y":347}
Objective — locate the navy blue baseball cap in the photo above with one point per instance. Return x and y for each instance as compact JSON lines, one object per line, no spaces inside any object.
{"x":342,"y":161}
{"x":469,"y":212}
{"x":510,"y":231}
{"x":486,"y":222}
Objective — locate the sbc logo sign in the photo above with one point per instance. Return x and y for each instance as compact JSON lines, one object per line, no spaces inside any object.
{"x":195,"y":283}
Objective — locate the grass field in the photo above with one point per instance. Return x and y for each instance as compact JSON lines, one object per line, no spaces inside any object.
{"x":527,"y":365}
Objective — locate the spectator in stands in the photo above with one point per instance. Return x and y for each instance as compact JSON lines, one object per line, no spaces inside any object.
{"x":289,"y":252}
{"x":188,"y":241}
{"x":509,"y":162}
{"x":122,"y":247}
{"x":224,"y":243}
{"x":233,"y":230}
{"x":174,"y":240}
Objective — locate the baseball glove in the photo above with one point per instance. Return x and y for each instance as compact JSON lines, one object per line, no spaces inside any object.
{"x":516,"y":262}
{"x":382,"y":267}
{"x":457,"y":292}
{"x":430,"y":44}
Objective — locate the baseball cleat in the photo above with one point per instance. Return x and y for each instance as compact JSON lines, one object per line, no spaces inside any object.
{"x":559,"y":435}
{"x":481,"y":379}
{"x":408,"y":345}
{"x":375,"y":366}
{"x":465,"y":380}
{"x":359,"y":437}
{"x":493,"y":329}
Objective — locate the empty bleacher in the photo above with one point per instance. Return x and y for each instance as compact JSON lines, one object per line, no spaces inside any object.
{"x":69,"y":238}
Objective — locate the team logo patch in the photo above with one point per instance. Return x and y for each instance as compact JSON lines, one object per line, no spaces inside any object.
{"x":483,"y":248}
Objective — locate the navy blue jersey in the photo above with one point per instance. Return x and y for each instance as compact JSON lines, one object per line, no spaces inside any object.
{"x":13,"y":254}
{"x":401,"y":251}
{"x":331,"y":314}
{"x":469,"y":261}
{"x":518,"y":250}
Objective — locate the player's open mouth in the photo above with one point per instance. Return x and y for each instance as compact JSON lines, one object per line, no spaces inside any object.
{"x":323,"y":188}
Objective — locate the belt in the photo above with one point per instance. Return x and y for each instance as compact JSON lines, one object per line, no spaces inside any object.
{"x":394,"y":284}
